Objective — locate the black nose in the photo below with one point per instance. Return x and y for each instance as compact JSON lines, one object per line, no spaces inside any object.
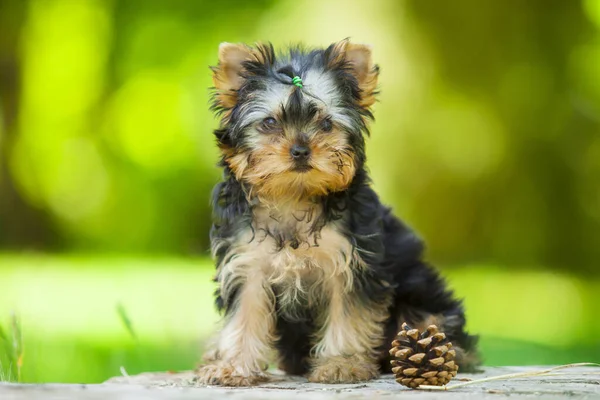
{"x":300,"y":152}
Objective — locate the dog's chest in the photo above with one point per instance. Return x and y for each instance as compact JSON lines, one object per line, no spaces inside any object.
{"x":298,"y":243}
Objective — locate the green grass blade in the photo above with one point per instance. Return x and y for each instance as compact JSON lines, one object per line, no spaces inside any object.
{"x":3,"y":334}
{"x":126,"y":321}
{"x":17,"y":344}
{"x":7,"y":352}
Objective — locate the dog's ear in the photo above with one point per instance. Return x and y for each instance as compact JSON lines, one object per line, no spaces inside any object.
{"x":358,"y":60}
{"x":227,"y":76}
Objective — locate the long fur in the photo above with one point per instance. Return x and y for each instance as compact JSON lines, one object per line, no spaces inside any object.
{"x":311,"y":265}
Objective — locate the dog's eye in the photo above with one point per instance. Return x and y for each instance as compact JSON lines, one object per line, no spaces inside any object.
{"x":269,"y":123}
{"x":326,"y":125}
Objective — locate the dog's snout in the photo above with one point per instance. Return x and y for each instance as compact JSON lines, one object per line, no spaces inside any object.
{"x":300,"y":152}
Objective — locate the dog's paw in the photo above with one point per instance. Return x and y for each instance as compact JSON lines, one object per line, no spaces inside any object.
{"x":343,"y":370}
{"x":226,"y":374}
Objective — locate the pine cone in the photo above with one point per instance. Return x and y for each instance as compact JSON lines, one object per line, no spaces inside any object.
{"x":422,"y":358}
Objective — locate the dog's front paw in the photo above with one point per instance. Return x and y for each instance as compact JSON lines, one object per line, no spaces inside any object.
{"x":343,"y":370}
{"x":226,"y":374}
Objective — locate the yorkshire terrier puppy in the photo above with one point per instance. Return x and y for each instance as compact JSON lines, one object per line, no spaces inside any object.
{"x":310,"y":265}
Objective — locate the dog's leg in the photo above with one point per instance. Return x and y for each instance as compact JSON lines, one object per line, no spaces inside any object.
{"x":352,"y":330}
{"x":240,"y":356}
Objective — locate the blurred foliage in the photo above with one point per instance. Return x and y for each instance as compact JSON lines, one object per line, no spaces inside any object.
{"x":79,"y":313}
{"x":487,"y":138}
{"x":487,"y":141}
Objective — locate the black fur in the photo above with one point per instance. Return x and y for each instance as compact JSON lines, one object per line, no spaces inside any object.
{"x":282,"y":68}
{"x":393,"y":253}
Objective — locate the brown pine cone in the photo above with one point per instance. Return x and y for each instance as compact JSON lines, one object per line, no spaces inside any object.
{"x":422,"y":358}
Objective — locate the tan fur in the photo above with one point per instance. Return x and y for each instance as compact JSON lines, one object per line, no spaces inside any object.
{"x":340,"y":369}
{"x":226,"y":374}
{"x":350,"y":336}
{"x":360,"y":61}
{"x":338,"y":55}
{"x":294,"y":268}
{"x":227,"y":77}
{"x":267,"y":167}
{"x":241,"y":354}
{"x":350,"y":326}
{"x":311,"y":263}
{"x":308,"y":271}
{"x":227,"y":74}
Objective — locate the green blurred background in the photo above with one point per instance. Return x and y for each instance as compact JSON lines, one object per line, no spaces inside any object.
{"x":487,"y":142}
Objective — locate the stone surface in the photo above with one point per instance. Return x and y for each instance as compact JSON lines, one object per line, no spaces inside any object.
{"x":580,"y":383}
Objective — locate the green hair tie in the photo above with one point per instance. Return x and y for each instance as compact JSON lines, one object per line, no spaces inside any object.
{"x":297,"y":81}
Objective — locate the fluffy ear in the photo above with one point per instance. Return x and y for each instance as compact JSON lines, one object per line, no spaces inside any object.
{"x":358,"y":59}
{"x":227,"y":75}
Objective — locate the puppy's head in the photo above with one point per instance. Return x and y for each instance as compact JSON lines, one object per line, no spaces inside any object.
{"x":292,"y":125}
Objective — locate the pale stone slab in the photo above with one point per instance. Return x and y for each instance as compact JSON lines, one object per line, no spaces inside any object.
{"x":581,"y":383}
